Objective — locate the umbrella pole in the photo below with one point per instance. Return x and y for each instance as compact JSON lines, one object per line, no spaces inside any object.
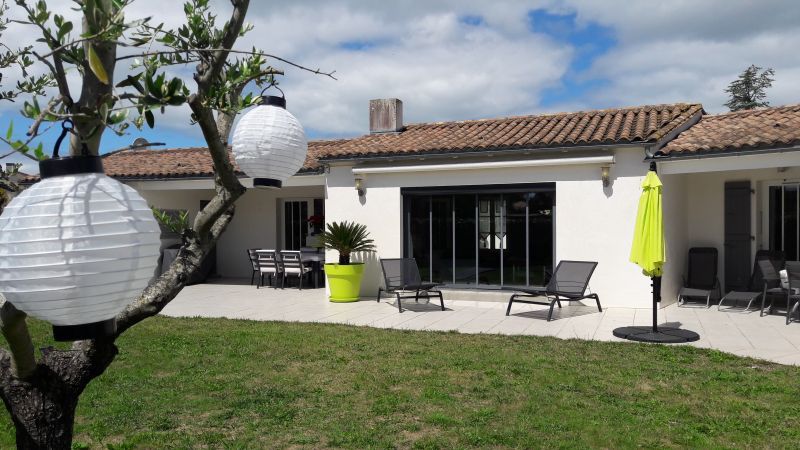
{"x":656,"y":298}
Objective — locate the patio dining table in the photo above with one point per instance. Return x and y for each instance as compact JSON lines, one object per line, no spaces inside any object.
{"x":317,"y":260}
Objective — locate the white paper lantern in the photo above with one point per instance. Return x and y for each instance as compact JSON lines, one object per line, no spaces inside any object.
{"x":75,"y":250}
{"x":269,"y":143}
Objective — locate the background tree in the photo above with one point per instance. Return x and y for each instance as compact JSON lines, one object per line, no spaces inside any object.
{"x":749,"y":90}
{"x":41,"y":393}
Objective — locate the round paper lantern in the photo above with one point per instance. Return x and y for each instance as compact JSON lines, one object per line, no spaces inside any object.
{"x":269,"y":143}
{"x":77,"y":248}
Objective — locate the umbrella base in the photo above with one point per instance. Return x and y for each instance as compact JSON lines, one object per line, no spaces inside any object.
{"x":664,"y":335}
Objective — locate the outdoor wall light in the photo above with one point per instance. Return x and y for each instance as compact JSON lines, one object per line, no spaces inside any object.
{"x":604,"y":174}
{"x":360,"y":188}
{"x":77,"y":247}
{"x":269,"y":143}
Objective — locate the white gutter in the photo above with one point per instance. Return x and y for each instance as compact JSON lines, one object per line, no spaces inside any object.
{"x":599,"y":160}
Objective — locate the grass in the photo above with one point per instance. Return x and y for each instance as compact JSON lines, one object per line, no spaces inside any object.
{"x":213,"y":383}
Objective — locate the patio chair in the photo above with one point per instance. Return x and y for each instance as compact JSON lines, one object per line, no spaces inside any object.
{"x":772,"y":282}
{"x":702,"y":281}
{"x":401,"y":275}
{"x":755,"y":287}
{"x":569,"y":282}
{"x":268,"y":264}
{"x":793,"y":293}
{"x":251,"y":253}
{"x":292,"y":262}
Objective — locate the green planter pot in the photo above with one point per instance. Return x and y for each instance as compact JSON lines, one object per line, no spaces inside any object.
{"x":344,"y":281}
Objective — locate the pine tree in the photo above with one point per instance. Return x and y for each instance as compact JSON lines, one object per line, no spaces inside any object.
{"x":748,"y":91}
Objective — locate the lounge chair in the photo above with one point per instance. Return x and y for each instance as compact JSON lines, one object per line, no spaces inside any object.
{"x":702,"y":281}
{"x":292,"y":263}
{"x":268,"y":264}
{"x":401,"y":275}
{"x":772,"y":282}
{"x":793,"y":293}
{"x":755,"y":287}
{"x":569,"y":282}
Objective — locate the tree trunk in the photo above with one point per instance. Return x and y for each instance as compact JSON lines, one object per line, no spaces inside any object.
{"x":43,"y":416}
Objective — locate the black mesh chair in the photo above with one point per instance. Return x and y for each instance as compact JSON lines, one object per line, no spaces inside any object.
{"x":569,"y":282}
{"x":755,"y":287}
{"x":793,"y":293}
{"x":251,"y":253}
{"x":401,"y":275}
{"x":772,"y":282}
{"x":702,"y":281}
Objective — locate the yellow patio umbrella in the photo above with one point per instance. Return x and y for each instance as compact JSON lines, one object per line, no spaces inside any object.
{"x":648,"y":250}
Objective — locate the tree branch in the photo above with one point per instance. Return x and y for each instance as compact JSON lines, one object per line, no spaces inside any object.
{"x":34,"y":129}
{"x":242,"y":52}
{"x":212,"y":71}
{"x":15,"y":330}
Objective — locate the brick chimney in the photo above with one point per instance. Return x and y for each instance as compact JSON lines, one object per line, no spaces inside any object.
{"x":385,"y":115}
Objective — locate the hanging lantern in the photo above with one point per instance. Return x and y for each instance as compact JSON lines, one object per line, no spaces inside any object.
{"x":269,"y":144}
{"x":77,"y":247}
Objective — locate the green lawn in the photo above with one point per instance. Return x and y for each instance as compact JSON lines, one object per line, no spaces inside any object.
{"x":223,"y":383}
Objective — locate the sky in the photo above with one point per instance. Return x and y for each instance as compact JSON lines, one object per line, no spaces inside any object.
{"x":470,"y":59}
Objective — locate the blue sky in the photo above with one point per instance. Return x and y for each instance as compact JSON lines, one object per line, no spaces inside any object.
{"x":469,"y":59}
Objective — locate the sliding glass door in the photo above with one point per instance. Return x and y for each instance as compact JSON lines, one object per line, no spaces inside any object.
{"x":485,"y":236}
{"x":784,"y":227}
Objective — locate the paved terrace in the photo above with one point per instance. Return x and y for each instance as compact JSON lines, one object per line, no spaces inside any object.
{"x":740,"y":333}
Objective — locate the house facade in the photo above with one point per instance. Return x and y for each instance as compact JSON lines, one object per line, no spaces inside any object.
{"x":490,"y":204}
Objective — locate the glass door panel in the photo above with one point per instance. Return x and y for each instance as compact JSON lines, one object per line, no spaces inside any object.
{"x":419,"y":230}
{"x":515,"y":249}
{"x":540,"y":237}
{"x":442,"y":239}
{"x":790,"y":224}
{"x":491,"y":235}
{"x":295,"y":224}
{"x":465,"y":239}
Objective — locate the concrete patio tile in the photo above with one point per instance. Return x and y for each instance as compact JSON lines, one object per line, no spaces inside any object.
{"x":482,"y":323}
{"x":454,"y":319}
{"x":745,"y":334}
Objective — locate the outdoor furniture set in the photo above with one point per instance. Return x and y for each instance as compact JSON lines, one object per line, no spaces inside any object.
{"x":282,"y":264}
{"x":772,"y":277}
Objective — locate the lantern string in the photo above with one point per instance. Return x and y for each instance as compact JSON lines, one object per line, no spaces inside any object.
{"x":68,"y":127}
{"x":275,"y":86}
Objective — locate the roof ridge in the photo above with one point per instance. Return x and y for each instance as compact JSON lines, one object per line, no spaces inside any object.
{"x":753,"y":112}
{"x":603,"y":111}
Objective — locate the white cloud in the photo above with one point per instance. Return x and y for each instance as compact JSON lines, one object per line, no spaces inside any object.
{"x":443,"y":69}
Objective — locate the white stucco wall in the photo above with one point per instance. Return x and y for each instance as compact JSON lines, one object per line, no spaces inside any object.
{"x":706,"y":207}
{"x":592,"y":222}
{"x":675,"y":235}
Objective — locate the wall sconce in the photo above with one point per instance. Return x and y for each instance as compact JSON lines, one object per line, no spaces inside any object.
{"x":360,"y":187}
{"x":604,"y":175}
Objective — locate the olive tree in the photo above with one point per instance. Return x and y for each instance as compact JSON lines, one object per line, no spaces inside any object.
{"x":41,"y":391}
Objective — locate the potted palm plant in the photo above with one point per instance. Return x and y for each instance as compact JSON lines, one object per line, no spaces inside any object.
{"x":344,"y":277}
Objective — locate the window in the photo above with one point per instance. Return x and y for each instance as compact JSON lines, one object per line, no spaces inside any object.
{"x":487,"y":235}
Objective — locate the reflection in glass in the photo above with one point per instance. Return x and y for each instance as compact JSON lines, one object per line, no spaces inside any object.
{"x":486,"y":238}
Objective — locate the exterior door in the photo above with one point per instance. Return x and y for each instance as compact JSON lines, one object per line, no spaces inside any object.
{"x":738,"y":235}
{"x":295,"y":223}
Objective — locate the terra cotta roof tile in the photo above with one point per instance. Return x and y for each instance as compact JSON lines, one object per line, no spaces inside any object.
{"x":755,"y":129}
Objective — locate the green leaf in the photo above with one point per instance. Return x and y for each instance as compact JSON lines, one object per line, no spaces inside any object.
{"x":39,"y":153}
{"x":97,"y":66}
{"x":10,"y":131}
{"x":148,"y":115}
